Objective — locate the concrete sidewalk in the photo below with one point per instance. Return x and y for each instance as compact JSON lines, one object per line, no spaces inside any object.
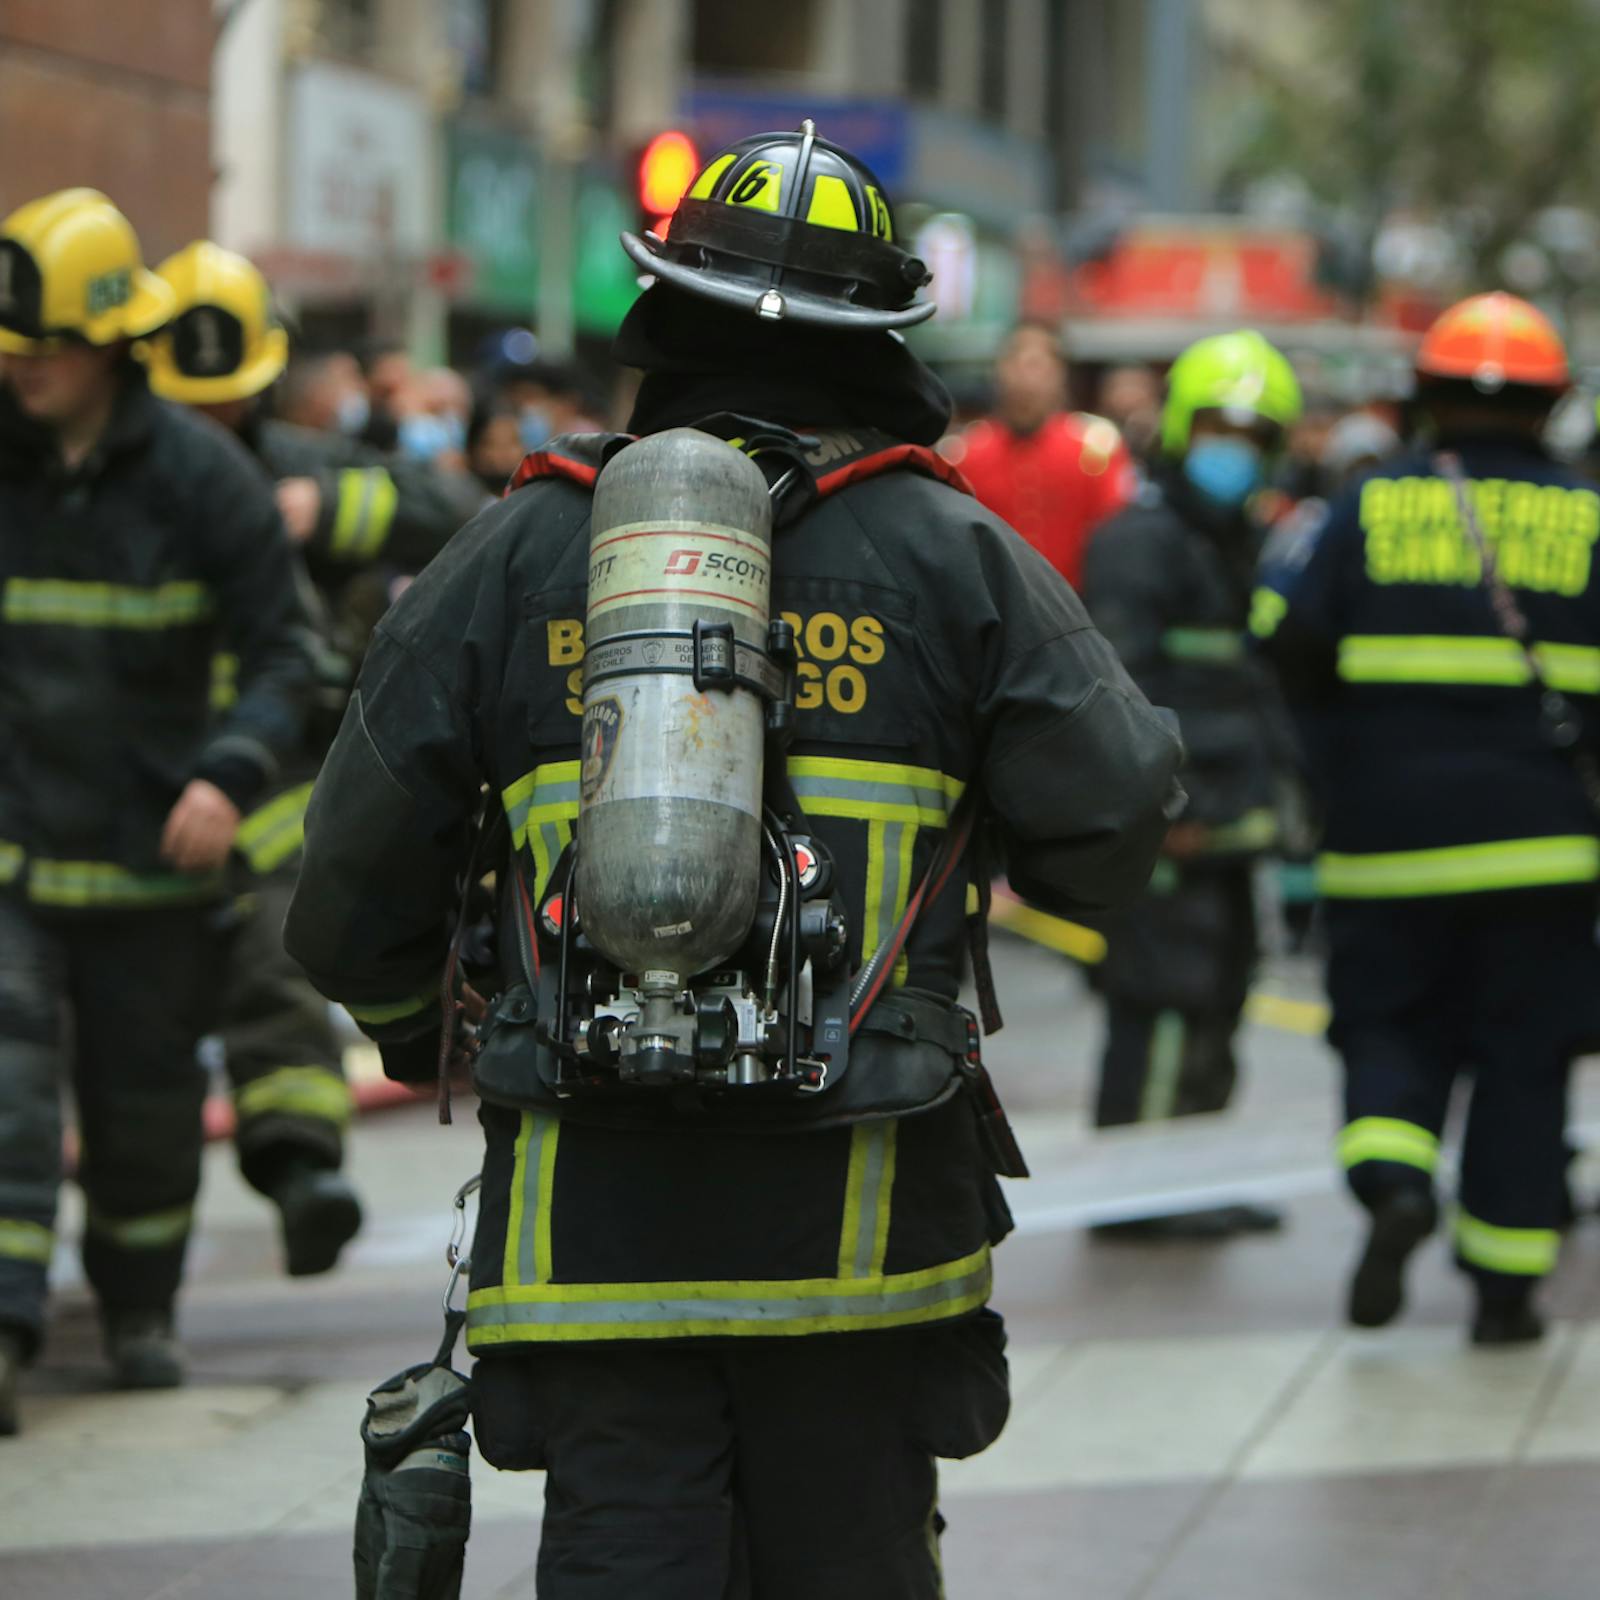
{"x":1191,"y":1422}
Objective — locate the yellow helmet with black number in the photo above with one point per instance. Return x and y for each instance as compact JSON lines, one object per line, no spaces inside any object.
{"x":224,"y":343}
{"x":793,"y":229}
{"x":70,"y":268}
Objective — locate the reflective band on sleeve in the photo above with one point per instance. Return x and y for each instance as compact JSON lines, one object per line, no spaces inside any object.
{"x":274,"y":832}
{"x":868,"y":1198}
{"x":59,"y":602}
{"x":11,"y":859}
{"x":395,"y":1011}
{"x":312,"y":1092}
{"x":1388,"y":1139}
{"x":25,"y":1241}
{"x":156,"y":1230}
{"x":1461,"y":869}
{"x":559,"y":1312}
{"x":1268,"y":608}
{"x":224,"y":682}
{"x":1255,"y":830}
{"x":104,"y":883}
{"x":365,"y":513}
{"x":1519,"y":1252}
{"x":1215,"y":645}
{"x":1464,"y":661}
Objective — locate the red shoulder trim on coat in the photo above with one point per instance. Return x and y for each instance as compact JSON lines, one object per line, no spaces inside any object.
{"x":554,"y":461}
{"x":916,"y":457}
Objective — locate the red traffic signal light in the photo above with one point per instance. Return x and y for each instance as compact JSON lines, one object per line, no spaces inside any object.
{"x":667,"y":167}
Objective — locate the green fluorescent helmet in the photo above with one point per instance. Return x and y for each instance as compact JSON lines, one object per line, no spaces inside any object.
{"x":1239,"y":374}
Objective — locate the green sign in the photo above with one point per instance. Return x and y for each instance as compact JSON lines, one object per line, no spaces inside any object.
{"x":493,"y":215}
{"x":495,"y":218}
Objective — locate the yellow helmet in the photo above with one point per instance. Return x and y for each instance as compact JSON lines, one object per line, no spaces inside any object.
{"x":70,"y":266}
{"x":224,"y":343}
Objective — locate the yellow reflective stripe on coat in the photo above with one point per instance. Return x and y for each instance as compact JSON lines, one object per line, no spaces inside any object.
{"x":12,"y":857}
{"x":1213,"y":646}
{"x":364,"y":514}
{"x":394,"y":1010}
{"x":533,"y":1177}
{"x":1460,"y":869}
{"x":155,"y":1230}
{"x":560,"y":1312}
{"x":1268,"y":608}
{"x":868,"y":1199}
{"x":541,"y":807}
{"x":273,"y":832}
{"x":893,"y":800}
{"x":104,"y":883}
{"x":1460,"y":661}
{"x":314,"y":1092}
{"x":1388,"y":1139}
{"x":25,"y":1241}
{"x":1518,"y":1252}
{"x":61,"y":602}
{"x":224,"y":694}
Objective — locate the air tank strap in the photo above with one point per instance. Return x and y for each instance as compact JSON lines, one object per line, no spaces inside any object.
{"x":709,"y":653}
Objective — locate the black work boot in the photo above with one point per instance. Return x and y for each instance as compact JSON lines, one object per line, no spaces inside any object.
{"x":321,"y":1215}
{"x":143,"y":1350}
{"x":1506,"y":1314}
{"x":12,"y":1351}
{"x":1401,"y":1220}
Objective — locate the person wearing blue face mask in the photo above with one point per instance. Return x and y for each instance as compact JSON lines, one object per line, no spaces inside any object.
{"x":1169,"y":582}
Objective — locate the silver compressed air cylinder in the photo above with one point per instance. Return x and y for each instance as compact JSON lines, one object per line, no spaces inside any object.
{"x":669,"y":809}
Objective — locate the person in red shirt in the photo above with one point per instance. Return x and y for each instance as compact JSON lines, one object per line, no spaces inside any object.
{"x":1054,"y":475}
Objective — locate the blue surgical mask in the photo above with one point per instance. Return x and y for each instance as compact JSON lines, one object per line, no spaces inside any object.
{"x":1226,"y":471}
{"x":425,"y":436}
{"x":533,"y":423}
{"x":354,"y":412}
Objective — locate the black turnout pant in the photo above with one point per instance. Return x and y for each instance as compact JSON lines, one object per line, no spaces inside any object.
{"x":759,"y":1469}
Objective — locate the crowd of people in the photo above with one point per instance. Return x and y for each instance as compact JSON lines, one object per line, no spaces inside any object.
{"x":1373,"y":630}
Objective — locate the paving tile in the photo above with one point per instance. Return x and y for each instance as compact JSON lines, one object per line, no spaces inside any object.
{"x":1389,"y":1537}
{"x":1408,"y":1398}
{"x":1570,"y":1427}
{"x":1138,"y":1411}
{"x":1536,"y":1537}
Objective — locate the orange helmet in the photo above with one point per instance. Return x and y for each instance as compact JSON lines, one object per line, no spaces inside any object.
{"x":1492,"y":340}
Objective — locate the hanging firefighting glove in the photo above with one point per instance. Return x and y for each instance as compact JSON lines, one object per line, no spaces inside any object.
{"x":415,"y":1510}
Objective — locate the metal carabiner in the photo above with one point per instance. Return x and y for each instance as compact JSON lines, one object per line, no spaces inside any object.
{"x":458,"y":1226}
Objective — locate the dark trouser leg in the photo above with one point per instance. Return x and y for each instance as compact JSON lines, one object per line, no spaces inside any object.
{"x":1394,"y":981}
{"x":139,"y":983}
{"x":33,"y":982}
{"x":1139,"y":1047}
{"x":639,"y":1447}
{"x":1533,"y":971}
{"x":283,"y":1057}
{"x":836,"y":1480}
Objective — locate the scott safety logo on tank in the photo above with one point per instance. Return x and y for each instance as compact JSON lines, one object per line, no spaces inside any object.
{"x":602,"y":723}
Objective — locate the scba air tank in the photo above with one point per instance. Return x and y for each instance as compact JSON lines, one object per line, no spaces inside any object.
{"x":669,"y":819}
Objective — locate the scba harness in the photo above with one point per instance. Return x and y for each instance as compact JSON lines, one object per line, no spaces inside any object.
{"x":780,"y":1032}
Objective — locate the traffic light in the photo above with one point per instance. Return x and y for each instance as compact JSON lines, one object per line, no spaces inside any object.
{"x":666,"y":168}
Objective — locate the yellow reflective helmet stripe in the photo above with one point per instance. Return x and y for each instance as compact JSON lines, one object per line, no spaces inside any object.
{"x":62,"y":602}
{"x":1388,"y":1139}
{"x":707,"y":181}
{"x":759,"y":186}
{"x":25,"y":1241}
{"x":1460,"y":869}
{"x":1465,"y":661}
{"x":1517,"y":1252}
{"x":314,"y":1092}
{"x":881,"y":224}
{"x":832,"y":205}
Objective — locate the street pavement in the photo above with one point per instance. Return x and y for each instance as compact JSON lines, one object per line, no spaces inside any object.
{"x":1191,"y":1422}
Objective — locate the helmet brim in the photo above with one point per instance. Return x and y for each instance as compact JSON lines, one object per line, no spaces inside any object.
{"x":799,"y":305}
{"x":244,"y":383}
{"x":150,"y":308}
